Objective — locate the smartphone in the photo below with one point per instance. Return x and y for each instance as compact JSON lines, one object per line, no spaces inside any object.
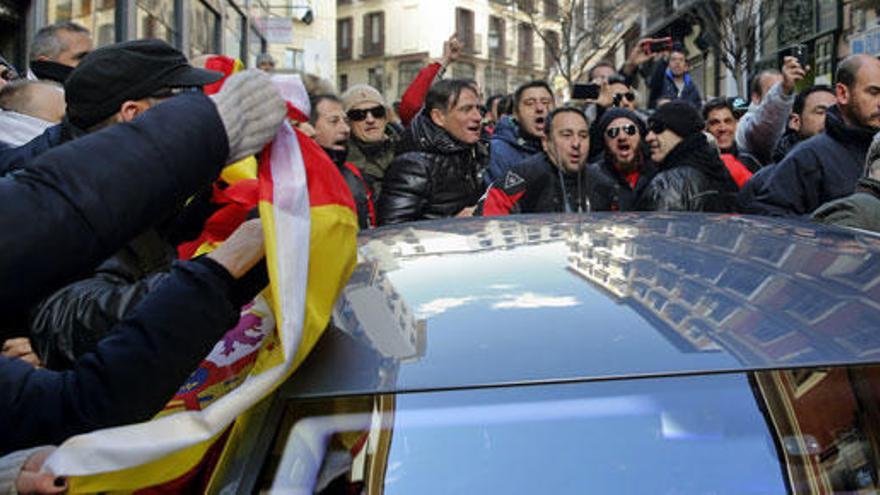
{"x":660,"y":45}
{"x":585,"y":92}
{"x":798,"y":51}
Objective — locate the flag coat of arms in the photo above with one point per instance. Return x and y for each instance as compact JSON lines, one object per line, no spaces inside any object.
{"x":310,"y":225}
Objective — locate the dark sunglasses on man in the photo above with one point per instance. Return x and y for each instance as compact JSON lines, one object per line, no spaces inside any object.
{"x":656,"y":126}
{"x":169,"y":92}
{"x":629,"y":129}
{"x":377,"y":112}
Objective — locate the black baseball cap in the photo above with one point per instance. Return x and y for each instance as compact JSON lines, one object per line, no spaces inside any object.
{"x":131,"y":70}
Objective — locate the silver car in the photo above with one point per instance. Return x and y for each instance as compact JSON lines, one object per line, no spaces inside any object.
{"x":649,"y":353}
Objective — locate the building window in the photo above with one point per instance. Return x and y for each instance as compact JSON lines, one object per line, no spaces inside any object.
{"x":551,"y":8}
{"x":526,"y":45}
{"x":256,"y":46}
{"x":343,"y":82}
{"x":464,"y":70}
{"x":376,"y":78}
{"x":155,"y":19}
{"x":406,"y":73}
{"x":98,"y":16}
{"x":343,"y":39}
{"x":234,"y":26}
{"x":374,"y":34}
{"x":526,"y":5}
{"x":496,"y":81}
{"x":464,"y":27}
{"x":294,"y":59}
{"x":551,"y":50}
{"x":204,"y":29}
{"x":496,"y":38}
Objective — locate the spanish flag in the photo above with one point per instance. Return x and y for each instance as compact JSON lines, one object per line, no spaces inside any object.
{"x":310,"y":225}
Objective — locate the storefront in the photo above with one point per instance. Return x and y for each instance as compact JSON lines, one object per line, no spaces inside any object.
{"x":194,"y":26}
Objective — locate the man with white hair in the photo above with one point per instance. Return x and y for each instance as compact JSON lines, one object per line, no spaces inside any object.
{"x":57,"y":49}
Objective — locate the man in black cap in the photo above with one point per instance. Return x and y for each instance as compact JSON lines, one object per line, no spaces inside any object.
{"x":624,"y":167}
{"x":115,"y":84}
{"x":691,"y":175}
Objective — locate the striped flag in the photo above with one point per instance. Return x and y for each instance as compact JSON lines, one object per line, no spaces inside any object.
{"x":310,"y":225}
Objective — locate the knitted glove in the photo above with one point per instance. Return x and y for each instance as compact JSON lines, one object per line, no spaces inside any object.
{"x":872,"y":162}
{"x":251,"y":110}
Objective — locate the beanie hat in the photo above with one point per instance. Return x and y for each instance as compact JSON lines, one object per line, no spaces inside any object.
{"x":361,"y":93}
{"x":680,"y":117}
{"x":621,"y":113}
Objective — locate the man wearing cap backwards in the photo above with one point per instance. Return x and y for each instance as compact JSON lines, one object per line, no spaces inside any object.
{"x":551,"y":181}
{"x":371,"y":147}
{"x":114,"y":84}
{"x":518,"y":137}
{"x":624,"y":167}
{"x":691,"y":175}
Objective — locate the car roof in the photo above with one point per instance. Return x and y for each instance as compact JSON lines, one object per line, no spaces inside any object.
{"x":545,"y":298}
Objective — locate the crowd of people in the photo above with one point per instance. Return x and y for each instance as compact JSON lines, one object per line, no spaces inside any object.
{"x":109,"y":158}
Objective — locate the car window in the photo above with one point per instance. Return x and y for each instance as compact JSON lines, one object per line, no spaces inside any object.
{"x":766,"y":432}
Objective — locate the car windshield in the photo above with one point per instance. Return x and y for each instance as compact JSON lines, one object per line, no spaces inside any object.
{"x":736,"y":433}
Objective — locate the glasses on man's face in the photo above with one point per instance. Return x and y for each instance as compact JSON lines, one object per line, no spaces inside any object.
{"x":629,"y":95}
{"x":359,"y":115}
{"x":656,"y":126}
{"x":169,"y":92}
{"x":629,"y":130}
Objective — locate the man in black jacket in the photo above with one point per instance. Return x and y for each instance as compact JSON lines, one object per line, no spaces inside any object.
{"x":828,"y":165}
{"x":113,"y":84}
{"x":691,"y":175}
{"x":73,"y":206}
{"x":552,"y":181}
{"x":438,"y":174}
{"x":624,"y":168}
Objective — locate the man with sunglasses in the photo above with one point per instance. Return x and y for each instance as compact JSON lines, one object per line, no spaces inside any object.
{"x":624,"y":167}
{"x":551,"y":181}
{"x":517,"y":138}
{"x":373,"y":138}
{"x":115,"y":84}
{"x":691,"y":175}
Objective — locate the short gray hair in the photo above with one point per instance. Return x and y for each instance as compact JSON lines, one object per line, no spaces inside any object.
{"x":46,"y":42}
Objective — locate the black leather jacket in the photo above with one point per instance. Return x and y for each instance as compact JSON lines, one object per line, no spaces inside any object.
{"x":609,"y":191}
{"x":433,"y":176}
{"x":691,"y":178}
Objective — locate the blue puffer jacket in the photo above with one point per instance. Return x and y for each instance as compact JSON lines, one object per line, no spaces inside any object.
{"x":821,"y":169}
{"x":507,"y":148}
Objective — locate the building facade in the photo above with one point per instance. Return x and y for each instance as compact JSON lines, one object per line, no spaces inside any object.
{"x":195,"y":27}
{"x":385,"y":43}
{"x":300,"y":36}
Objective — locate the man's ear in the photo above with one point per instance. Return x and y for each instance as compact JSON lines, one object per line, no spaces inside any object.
{"x":438,"y":117}
{"x":842,"y":93}
{"x":131,"y":109}
{"x":794,"y":122}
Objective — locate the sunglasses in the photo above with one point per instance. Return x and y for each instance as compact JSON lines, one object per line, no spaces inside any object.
{"x":629,"y":95}
{"x":656,"y":126}
{"x":629,"y":129}
{"x":169,"y":92}
{"x":359,"y":115}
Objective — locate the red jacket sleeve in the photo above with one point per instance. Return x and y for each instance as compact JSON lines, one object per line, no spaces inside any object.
{"x":498,"y":202}
{"x":414,"y":97}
